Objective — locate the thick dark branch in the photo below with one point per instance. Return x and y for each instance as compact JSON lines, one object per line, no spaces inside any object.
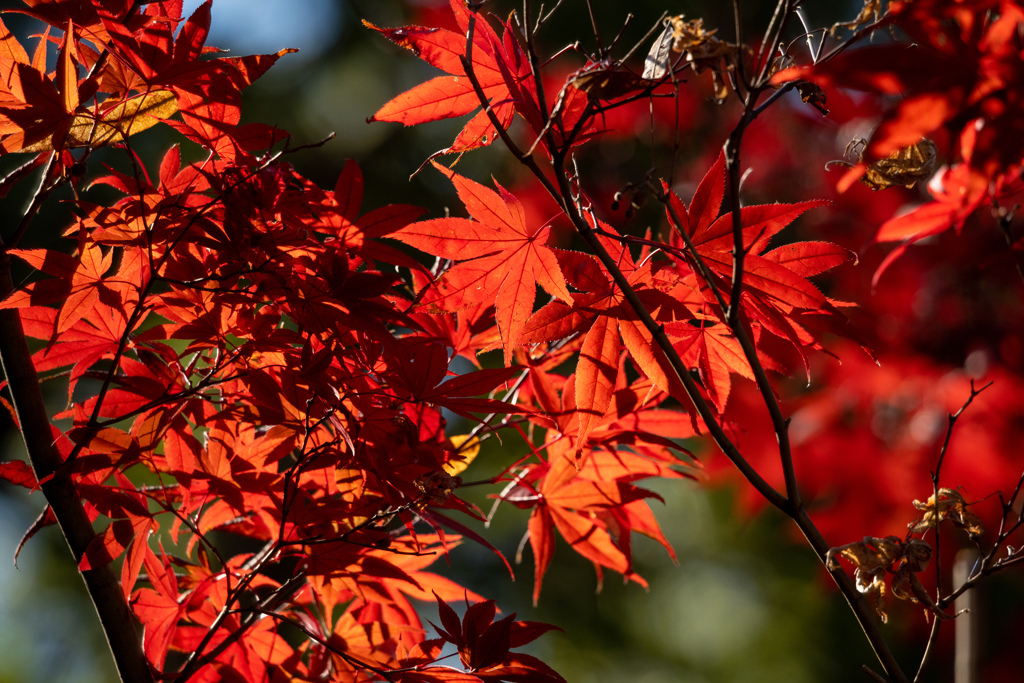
{"x":60,"y":493}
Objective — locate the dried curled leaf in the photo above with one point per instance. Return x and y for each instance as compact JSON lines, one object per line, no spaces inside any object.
{"x":438,"y":486}
{"x":906,"y":166}
{"x":873,"y":557}
{"x":867,"y":555}
{"x":699,"y":48}
{"x":811,"y":93}
{"x":951,"y":506}
{"x":871,"y":11}
{"x":607,"y":80}
{"x":906,"y":585}
{"x":659,"y":58}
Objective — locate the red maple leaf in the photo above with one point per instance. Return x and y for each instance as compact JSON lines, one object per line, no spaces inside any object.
{"x":775,"y":286}
{"x":418,"y":367}
{"x":36,"y":113}
{"x":501,"y":260}
{"x":609,"y":324}
{"x":496,"y":64}
{"x":484,"y":644}
{"x":594,"y":505}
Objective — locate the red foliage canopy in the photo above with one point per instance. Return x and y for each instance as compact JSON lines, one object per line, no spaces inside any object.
{"x":274,"y":366}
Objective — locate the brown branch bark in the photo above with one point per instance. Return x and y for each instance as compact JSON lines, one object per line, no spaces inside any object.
{"x":102,"y":584}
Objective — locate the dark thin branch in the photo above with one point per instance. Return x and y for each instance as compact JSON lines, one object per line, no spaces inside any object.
{"x":46,"y":186}
{"x":874,"y":675}
{"x":929,"y":648}
{"x":564,"y":194}
{"x":780,"y":423}
{"x":601,"y":50}
{"x":951,"y":420}
{"x":989,"y":564}
{"x":269,"y":603}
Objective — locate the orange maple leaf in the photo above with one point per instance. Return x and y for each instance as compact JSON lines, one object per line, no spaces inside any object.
{"x":501,"y":259}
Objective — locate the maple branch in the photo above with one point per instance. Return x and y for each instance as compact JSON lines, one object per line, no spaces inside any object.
{"x":854,"y":37}
{"x":562,"y":194}
{"x":989,"y":565}
{"x":865,"y":615}
{"x":1004,"y":219}
{"x":951,"y":420}
{"x":593,"y":25}
{"x":165,"y":399}
{"x":764,"y":52}
{"x":789,"y":504}
{"x":59,"y":490}
{"x":38,"y":197}
{"x":663,"y":342}
{"x":271,"y":602}
{"x":485,"y":422}
{"x":793,"y":506}
{"x":933,"y":638}
{"x":874,"y":675}
{"x":780,"y":423}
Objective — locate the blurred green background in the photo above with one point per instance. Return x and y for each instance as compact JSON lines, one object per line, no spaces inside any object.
{"x":745,"y":604}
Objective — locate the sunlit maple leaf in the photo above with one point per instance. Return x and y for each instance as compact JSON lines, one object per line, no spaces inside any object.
{"x":500,"y":259}
{"x":494,"y":61}
{"x":36,"y":113}
{"x":714,"y":351}
{"x":775,"y":281}
{"x":594,"y":508}
{"x":81,"y":286}
{"x":598,"y":308}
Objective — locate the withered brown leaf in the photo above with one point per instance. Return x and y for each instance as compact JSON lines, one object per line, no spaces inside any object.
{"x":906,"y":166}
{"x":871,"y":11}
{"x":699,"y":48}
{"x":608,"y":80}
{"x":951,"y":506}
{"x":871,"y":557}
{"x":811,"y":93}
{"x":906,"y":585}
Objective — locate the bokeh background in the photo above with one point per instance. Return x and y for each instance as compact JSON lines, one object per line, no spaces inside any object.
{"x":746,"y":602}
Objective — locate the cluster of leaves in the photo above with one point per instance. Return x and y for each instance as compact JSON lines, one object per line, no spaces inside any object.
{"x":959,"y":80}
{"x":904,"y":558}
{"x":253,"y":356}
{"x":273,"y":364}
